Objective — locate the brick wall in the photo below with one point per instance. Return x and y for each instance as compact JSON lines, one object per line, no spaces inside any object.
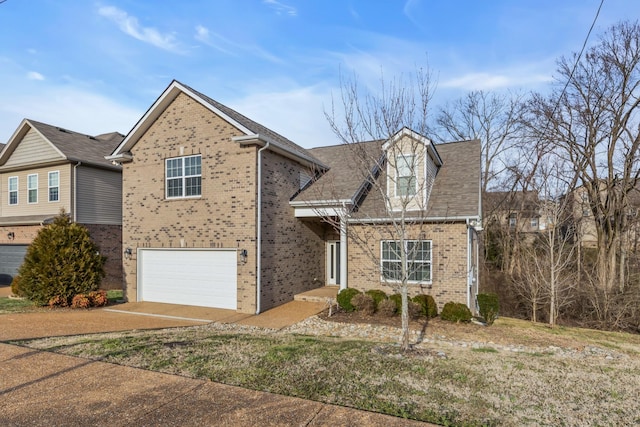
{"x":109,"y":239}
{"x":24,"y":234}
{"x":449,"y":259}
{"x":293,"y":251}
{"x":223,"y":217}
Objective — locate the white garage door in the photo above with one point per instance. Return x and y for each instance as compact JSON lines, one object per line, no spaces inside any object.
{"x":199,"y":277}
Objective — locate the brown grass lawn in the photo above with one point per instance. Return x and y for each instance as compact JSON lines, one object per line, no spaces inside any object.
{"x":513,"y":373}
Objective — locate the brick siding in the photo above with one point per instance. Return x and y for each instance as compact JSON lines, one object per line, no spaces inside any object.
{"x":449,"y":260}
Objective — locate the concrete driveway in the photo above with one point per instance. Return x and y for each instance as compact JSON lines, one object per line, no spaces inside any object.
{"x":44,"y":389}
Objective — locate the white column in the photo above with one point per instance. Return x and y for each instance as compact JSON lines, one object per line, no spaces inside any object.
{"x":343,"y":253}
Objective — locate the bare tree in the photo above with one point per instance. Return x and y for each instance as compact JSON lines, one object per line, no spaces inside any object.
{"x":494,"y":119}
{"x":593,"y":118}
{"x":399,"y":174}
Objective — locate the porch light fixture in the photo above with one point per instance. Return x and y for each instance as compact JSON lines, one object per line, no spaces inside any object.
{"x":243,"y":255}
{"x":11,"y":235}
{"x":127,"y":253}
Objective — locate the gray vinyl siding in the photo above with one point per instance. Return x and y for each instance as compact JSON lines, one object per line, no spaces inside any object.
{"x":98,"y":196}
{"x":32,"y":150}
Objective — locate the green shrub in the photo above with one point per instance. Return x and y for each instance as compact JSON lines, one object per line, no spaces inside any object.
{"x":344,"y":298}
{"x":455,"y":312}
{"x":364,"y":303}
{"x":15,"y":286}
{"x":489,"y":306}
{"x":62,"y":262}
{"x":428,"y":305}
{"x":387,"y":308}
{"x":397,"y":299}
{"x":377,"y":295}
{"x":415,"y":310}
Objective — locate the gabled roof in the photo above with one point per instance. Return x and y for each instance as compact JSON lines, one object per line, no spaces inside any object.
{"x":72,"y":146}
{"x":344,"y":181}
{"x":456,"y":189}
{"x":254,"y":132}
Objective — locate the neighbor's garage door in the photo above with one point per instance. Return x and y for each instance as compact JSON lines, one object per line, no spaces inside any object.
{"x":11,"y":258}
{"x":188,"y":276}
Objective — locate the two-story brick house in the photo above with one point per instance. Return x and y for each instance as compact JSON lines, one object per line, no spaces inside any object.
{"x":45,"y":169}
{"x":220,"y":211}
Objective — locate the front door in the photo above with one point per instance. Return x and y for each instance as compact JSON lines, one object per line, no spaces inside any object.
{"x":333,"y":262}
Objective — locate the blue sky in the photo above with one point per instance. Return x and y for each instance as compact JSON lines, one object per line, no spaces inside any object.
{"x":96,"y":67}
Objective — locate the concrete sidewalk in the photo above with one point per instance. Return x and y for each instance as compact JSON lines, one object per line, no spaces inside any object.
{"x":45,"y":389}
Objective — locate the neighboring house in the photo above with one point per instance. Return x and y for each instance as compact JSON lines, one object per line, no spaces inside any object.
{"x":516,"y":211}
{"x":44,"y":169}
{"x":219,"y":211}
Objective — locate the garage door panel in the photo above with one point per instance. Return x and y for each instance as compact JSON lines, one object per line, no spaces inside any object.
{"x":192,"y":277}
{"x":11,"y":258}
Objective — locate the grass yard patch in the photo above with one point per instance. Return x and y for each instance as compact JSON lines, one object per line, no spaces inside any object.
{"x":15,"y":305}
{"x":467,"y":386}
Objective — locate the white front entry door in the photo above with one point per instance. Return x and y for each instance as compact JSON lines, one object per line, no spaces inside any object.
{"x":333,"y":262}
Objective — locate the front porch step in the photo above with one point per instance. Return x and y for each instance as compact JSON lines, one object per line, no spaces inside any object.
{"x":318,"y":295}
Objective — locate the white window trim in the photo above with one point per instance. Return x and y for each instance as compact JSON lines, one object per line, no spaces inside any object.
{"x":183,"y":177}
{"x":534,"y":223}
{"x":412,"y":168}
{"x":29,"y":189}
{"x":49,"y":186}
{"x":430,"y":262}
{"x":9,"y":190}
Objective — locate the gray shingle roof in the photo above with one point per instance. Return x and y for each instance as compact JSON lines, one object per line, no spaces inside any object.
{"x":344,"y":178}
{"x":253,"y":126}
{"x":455,"y":192}
{"x":80,"y":147}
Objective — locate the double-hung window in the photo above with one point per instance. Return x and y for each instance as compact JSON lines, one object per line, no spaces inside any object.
{"x":405,"y":175}
{"x":13,"y":190}
{"x":54,"y":186}
{"x":417,"y":260}
{"x":183,"y":177}
{"x":32,"y":188}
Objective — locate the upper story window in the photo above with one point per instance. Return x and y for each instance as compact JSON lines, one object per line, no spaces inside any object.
{"x":405,"y":175}
{"x":418,"y":260}
{"x":512,"y":220}
{"x":13,"y":190}
{"x":32,"y":188}
{"x":54,"y":186}
{"x":183,"y":176}
{"x":534,"y":223}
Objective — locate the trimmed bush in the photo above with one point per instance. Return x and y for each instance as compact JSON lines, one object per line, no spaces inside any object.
{"x":377,"y":295}
{"x":62,"y":262}
{"x":80,"y":301}
{"x":415,"y":310}
{"x":344,"y":298}
{"x":397,"y":299}
{"x":98,"y":298}
{"x":57,"y":301}
{"x":455,"y":312}
{"x":364,"y":303}
{"x":387,"y":308}
{"x":489,"y":306}
{"x":428,"y":305}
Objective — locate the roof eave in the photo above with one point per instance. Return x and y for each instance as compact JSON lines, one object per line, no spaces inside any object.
{"x":274,"y":146}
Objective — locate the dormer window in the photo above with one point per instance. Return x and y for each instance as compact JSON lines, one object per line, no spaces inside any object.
{"x":405,"y":175}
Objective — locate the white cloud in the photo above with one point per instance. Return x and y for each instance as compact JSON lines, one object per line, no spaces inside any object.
{"x":496,"y":80}
{"x":281,"y":8}
{"x":34,"y":75}
{"x":230,"y":47}
{"x":130,"y":26}
{"x":297,"y":114}
{"x":68,"y":107}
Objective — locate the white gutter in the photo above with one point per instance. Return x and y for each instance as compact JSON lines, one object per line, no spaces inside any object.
{"x":259,"y":230}
{"x":418,"y":219}
{"x":75,"y":191}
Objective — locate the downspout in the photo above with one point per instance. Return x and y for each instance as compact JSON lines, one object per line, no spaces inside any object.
{"x":74,"y":188}
{"x":259,"y":232}
{"x":469,"y":267}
